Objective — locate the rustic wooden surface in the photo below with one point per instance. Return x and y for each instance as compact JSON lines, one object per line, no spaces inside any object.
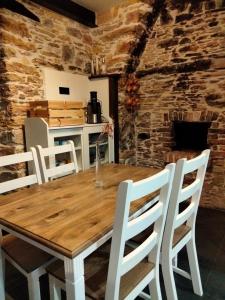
{"x":59,"y":113}
{"x":70,"y":213}
{"x":57,"y":104}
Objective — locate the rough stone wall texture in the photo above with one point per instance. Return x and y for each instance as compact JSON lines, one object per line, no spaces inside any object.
{"x":56,"y":42}
{"x":182,"y":77}
{"x":26,"y":46}
{"x":118,"y":31}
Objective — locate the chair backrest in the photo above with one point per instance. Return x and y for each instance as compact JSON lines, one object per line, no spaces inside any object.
{"x":18,"y":158}
{"x":49,"y":173}
{"x":126,"y":227}
{"x":181,"y":192}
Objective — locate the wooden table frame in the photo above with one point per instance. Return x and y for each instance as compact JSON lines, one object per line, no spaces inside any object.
{"x":17,"y":216}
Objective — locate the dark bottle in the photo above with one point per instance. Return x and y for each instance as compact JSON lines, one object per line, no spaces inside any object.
{"x":94,"y":106}
{"x":94,"y":109}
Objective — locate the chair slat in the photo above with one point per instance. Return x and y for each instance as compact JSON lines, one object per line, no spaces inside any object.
{"x":57,"y":170}
{"x":138,"y":254}
{"x":15,"y":158}
{"x":190,"y":190}
{"x":144,"y":221}
{"x":60,"y":170}
{"x":141,"y":188}
{"x":195,"y":163}
{"x":17,"y":183}
{"x":56,"y":150}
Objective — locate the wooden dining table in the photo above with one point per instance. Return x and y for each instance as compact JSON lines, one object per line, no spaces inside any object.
{"x":69,"y":217}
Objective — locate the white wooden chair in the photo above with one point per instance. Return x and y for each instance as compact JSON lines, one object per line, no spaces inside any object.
{"x":28,"y":259}
{"x":130,"y":270}
{"x":180,"y":226}
{"x":50,"y":173}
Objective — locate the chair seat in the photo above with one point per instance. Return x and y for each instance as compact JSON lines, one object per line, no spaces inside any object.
{"x":96,"y":268}
{"x":179,"y":233}
{"x":27,"y":256}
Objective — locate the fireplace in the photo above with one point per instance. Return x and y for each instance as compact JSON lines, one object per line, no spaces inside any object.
{"x":190,"y":135}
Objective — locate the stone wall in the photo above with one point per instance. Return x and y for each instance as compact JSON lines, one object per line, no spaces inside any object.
{"x":27,"y":46}
{"x":56,"y":42}
{"x":182,"y":77}
{"x":118,"y":31}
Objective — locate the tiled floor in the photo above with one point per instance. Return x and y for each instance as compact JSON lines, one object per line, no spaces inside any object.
{"x":210,"y":231}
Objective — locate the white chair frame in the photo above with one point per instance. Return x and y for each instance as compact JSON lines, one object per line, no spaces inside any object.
{"x":125,"y":227}
{"x":23,"y":181}
{"x":31,"y":156}
{"x":187,"y":217}
{"x":57,"y":170}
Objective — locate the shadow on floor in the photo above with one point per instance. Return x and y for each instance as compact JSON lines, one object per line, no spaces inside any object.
{"x":210,"y":239}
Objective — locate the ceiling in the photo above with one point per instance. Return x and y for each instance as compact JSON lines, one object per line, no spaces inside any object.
{"x":97,"y":5}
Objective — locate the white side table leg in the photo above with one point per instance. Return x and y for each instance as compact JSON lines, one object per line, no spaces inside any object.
{"x":74,"y":272}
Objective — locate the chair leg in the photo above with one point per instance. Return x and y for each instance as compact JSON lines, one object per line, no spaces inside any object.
{"x":2,"y":275}
{"x":3,"y":266}
{"x":33,"y":287}
{"x":168,"y":278}
{"x":155,"y":289}
{"x":55,"y":291}
{"x":194,"y":267}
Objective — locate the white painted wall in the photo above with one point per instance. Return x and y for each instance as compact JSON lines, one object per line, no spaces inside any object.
{"x":54,"y":79}
{"x":79,"y":85}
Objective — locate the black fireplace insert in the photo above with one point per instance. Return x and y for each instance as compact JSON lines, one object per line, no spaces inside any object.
{"x":190,"y":135}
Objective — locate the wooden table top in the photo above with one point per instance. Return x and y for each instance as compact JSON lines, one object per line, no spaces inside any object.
{"x":70,"y":213}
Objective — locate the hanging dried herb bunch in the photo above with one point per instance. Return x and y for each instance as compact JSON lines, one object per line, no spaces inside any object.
{"x":132,"y":100}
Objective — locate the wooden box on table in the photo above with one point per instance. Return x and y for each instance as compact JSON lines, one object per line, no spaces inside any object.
{"x":59,"y":113}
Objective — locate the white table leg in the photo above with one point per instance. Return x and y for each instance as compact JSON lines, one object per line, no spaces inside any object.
{"x":2,"y":275}
{"x":74,"y":272}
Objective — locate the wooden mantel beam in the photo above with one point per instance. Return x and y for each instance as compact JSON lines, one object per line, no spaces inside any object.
{"x":71,"y":10}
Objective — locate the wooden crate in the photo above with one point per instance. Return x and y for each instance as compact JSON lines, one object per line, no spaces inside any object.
{"x":59,"y":113}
